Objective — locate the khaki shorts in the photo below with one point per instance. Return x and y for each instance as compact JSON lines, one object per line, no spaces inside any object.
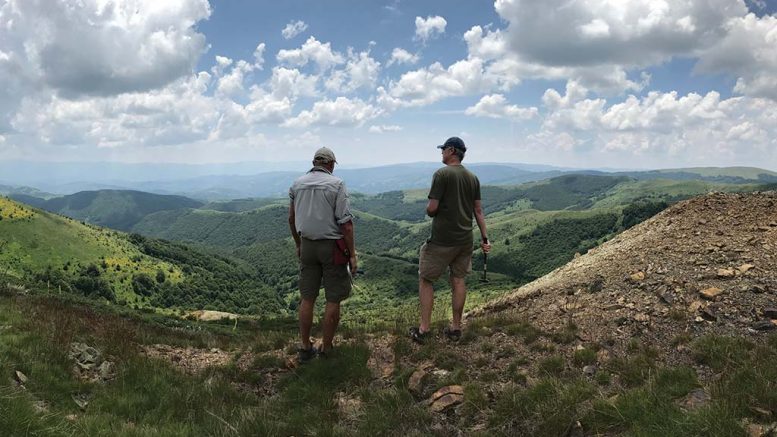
{"x":434,"y":259}
{"x":315,"y":264}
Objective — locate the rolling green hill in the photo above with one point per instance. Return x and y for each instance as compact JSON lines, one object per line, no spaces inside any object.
{"x":215,"y":228}
{"x":242,"y":205}
{"x":116,"y":209}
{"x":243,"y":261}
{"x":729,"y":175}
{"x":535,"y":227}
{"x":62,"y":255}
{"x":250,"y":276}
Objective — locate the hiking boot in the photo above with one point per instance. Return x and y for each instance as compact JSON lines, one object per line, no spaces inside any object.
{"x":417,"y":336}
{"x":325,"y":353}
{"x":452,"y":334}
{"x":305,"y":355}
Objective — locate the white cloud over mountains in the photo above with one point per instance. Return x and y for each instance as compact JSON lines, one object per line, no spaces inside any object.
{"x":115,"y":74}
{"x":339,"y":112}
{"x":401,"y":56}
{"x":102,"y":47}
{"x":749,"y":51}
{"x":293,"y":29}
{"x":429,"y":27}
{"x":312,"y":50}
{"x":633,"y":33}
{"x":690,"y":128}
{"x":495,"y":106}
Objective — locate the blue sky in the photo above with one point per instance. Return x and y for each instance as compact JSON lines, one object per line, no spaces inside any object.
{"x":584,"y":83}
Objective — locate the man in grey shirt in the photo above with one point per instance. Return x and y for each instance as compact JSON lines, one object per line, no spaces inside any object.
{"x":319,"y":216}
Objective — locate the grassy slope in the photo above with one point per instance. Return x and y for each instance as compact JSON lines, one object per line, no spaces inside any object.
{"x":633,"y":394}
{"x":215,"y":228}
{"x":116,"y":209}
{"x":668,"y":190}
{"x":742,"y":172}
{"x":34,"y":240}
{"x":242,"y":205}
{"x":55,"y":251}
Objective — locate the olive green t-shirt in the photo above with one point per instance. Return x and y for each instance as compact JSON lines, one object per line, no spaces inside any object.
{"x":457,"y":189}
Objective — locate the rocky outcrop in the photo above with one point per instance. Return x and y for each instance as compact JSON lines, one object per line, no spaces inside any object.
{"x":708,"y":264}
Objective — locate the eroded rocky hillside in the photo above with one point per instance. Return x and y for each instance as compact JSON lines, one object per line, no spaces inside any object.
{"x":706,"y":265}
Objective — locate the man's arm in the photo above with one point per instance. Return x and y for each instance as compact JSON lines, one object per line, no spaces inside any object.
{"x":481,"y":220}
{"x":432,"y":207}
{"x":350,"y":242}
{"x":293,"y":226}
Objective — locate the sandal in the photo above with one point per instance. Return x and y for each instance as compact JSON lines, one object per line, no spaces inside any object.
{"x":305,"y":355}
{"x":452,"y":334}
{"x":417,"y":336}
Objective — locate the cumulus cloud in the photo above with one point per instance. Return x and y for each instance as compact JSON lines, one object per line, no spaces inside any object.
{"x":429,"y":27}
{"x":629,"y":34}
{"x":401,"y":56}
{"x":312,"y":50}
{"x":748,"y":51}
{"x":176,"y":114}
{"x":293,"y":29}
{"x":692,"y":127}
{"x":232,"y":83}
{"x":292,"y":83}
{"x":361,"y":71}
{"x":486,"y":45}
{"x":339,"y":112}
{"x":495,"y":106}
{"x":428,"y":85}
{"x":381,"y":128}
{"x":266,"y":107}
{"x":103,"y":48}
{"x":259,"y":56}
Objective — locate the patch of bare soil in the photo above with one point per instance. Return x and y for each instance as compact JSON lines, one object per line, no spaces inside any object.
{"x":381,"y":361}
{"x":190,"y":360}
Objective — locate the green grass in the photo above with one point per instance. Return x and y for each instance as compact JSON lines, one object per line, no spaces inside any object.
{"x":549,"y":408}
{"x":633,"y":395}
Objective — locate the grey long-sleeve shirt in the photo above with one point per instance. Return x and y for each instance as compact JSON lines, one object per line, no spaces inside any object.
{"x":320,"y":205}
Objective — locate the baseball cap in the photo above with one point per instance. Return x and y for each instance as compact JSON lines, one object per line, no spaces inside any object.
{"x":454,"y":142}
{"x":325,"y":154}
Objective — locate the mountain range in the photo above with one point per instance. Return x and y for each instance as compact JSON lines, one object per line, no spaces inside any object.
{"x":251,"y":180}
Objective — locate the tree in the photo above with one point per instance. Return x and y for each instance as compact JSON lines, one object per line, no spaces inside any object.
{"x":143,"y":285}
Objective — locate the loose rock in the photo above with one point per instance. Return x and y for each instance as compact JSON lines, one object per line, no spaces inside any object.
{"x":695,"y":399}
{"x":20,"y":377}
{"x":637,"y":277}
{"x":744,"y":268}
{"x":446,"y":397}
{"x":710,"y":293}
{"x":416,"y":380}
{"x":765,"y":325}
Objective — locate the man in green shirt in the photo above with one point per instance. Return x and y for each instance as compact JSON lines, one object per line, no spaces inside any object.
{"x":453,"y":201}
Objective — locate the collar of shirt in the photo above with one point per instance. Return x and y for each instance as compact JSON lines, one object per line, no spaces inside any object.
{"x":318,"y":168}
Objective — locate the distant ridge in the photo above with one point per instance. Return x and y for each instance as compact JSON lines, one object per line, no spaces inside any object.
{"x":116,"y":209}
{"x":214,"y":182}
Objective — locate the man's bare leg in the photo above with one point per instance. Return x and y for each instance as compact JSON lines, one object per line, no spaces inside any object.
{"x":426,"y":297}
{"x":306,"y":321}
{"x":459,"y":290}
{"x":331,"y":320}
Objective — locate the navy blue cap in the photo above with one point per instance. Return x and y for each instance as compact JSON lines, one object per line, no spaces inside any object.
{"x":454,"y":142}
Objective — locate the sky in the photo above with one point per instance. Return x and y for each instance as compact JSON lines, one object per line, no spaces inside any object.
{"x":576,"y":83}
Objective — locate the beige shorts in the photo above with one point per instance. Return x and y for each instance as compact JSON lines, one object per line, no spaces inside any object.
{"x":315,"y":266}
{"x":434,"y":259}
